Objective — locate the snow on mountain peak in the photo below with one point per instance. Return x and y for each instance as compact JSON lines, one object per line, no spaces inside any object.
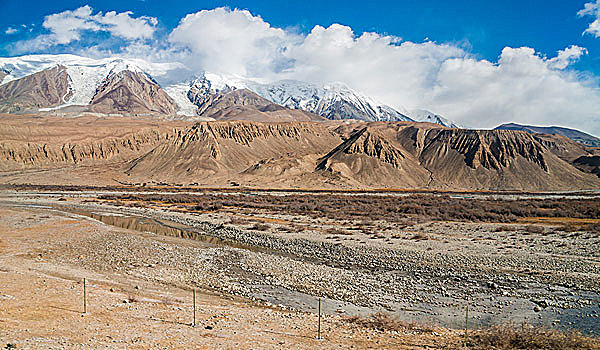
{"x":422,"y":115}
{"x":85,"y":74}
{"x":333,"y":100}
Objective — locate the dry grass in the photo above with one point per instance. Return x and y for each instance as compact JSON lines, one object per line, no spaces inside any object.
{"x":420,"y":236}
{"x":337,"y":232}
{"x":373,"y":208}
{"x":502,"y":337}
{"x":527,"y":337}
{"x":385,"y":322}
{"x":234,"y":220}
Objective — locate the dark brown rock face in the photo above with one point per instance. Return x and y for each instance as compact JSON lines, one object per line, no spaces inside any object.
{"x":132,"y":93}
{"x":243,"y":104}
{"x":48,"y":88}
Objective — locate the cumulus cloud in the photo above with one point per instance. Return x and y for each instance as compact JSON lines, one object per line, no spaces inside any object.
{"x":10,"y":30}
{"x":235,"y":42}
{"x":522,"y":85}
{"x":69,"y":26}
{"x":592,"y":9}
{"x":567,"y":56}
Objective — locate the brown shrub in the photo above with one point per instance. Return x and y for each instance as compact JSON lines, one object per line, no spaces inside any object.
{"x":237,"y":221}
{"x":260,"y":227}
{"x":525,"y":336}
{"x":594,"y":228}
{"x":534,"y":229}
{"x":385,"y":322}
{"x":405,"y":210}
{"x":334,"y":231}
{"x":570,"y":228}
{"x":420,"y":237}
{"x":504,"y":228}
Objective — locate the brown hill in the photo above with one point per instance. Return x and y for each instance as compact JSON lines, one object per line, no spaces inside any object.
{"x":368,"y":158}
{"x":47,"y":88}
{"x":287,"y":154}
{"x":3,"y":75}
{"x":406,"y":154}
{"x":38,"y":143}
{"x":132,"y":93}
{"x":496,"y":160}
{"x":223,"y":150}
{"x":590,"y":164}
{"x":563,"y":147}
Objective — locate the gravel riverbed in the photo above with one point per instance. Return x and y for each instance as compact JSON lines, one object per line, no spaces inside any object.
{"x":546,"y":277}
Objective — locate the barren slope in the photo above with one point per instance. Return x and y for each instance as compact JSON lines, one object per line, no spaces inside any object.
{"x":134,"y":93}
{"x":498,"y":159}
{"x":47,"y":88}
{"x":370,"y":159}
{"x":34,"y":143}
{"x":211,"y":150}
{"x":288,"y":154}
{"x":243,"y":104}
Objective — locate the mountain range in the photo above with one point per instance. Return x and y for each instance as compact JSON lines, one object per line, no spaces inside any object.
{"x":336,"y":154}
{"x":121,"y":86}
{"x":134,"y":122}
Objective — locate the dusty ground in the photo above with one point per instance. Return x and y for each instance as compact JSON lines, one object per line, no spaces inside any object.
{"x":41,"y":298}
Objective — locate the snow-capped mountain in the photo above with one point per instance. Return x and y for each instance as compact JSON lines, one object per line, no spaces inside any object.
{"x":332,"y":101}
{"x":85,"y":76}
{"x":422,"y":115}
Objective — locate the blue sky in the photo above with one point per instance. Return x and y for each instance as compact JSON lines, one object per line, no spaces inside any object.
{"x":479,"y":63}
{"x":484,"y":27}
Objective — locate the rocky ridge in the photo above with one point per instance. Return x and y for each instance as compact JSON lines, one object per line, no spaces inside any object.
{"x":315,"y":155}
{"x":47,"y":88}
{"x":132,"y":92}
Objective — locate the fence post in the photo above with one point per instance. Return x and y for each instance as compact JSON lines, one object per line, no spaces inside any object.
{"x":194,"y":323}
{"x":467,"y":325}
{"x":319,"y":329}
{"x":84,"y":298}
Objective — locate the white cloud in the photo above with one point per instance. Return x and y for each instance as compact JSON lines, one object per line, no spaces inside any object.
{"x":228,"y":41}
{"x":592,"y":9}
{"x":69,"y":26}
{"x":567,"y":56}
{"x":125,"y":26}
{"x":522,"y":86}
{"x":10,"y":30}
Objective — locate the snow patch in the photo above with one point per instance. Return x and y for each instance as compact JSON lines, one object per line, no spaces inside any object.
{"x":179,"y":93}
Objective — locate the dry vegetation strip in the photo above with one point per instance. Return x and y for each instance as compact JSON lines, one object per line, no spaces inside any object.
{"x":381,"y":207}
{"x":522,"y":336}
{"x":527,"y":337}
